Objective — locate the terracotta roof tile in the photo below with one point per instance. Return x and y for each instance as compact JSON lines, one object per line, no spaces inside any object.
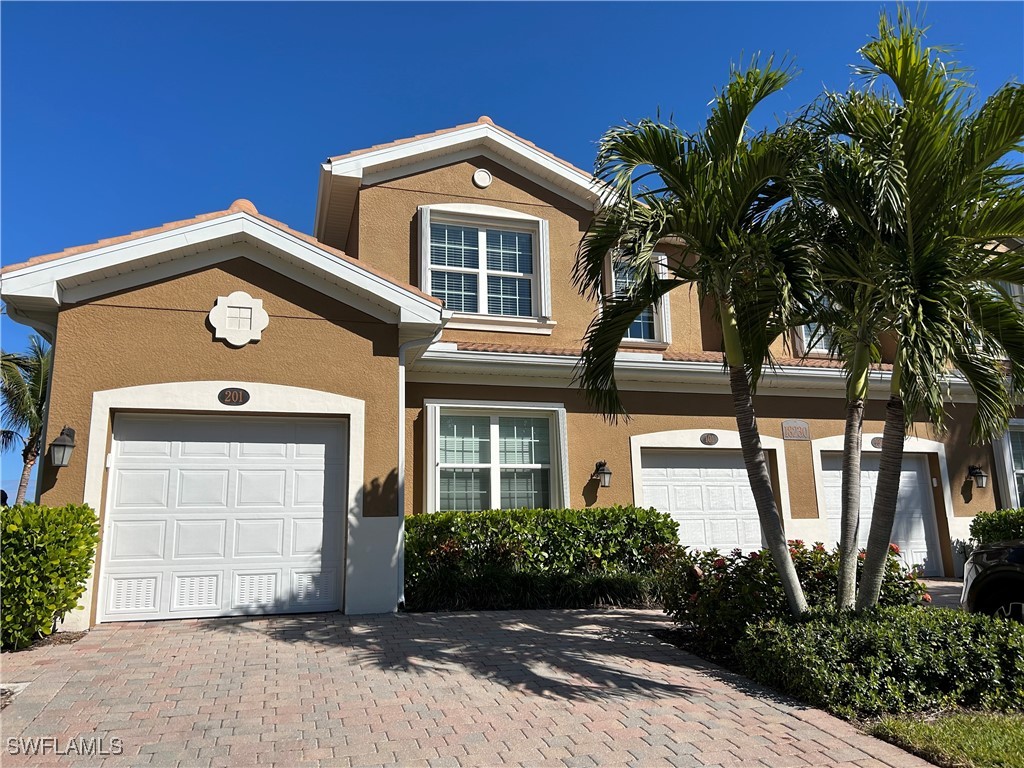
{"x":239,"y":206}
{"x":687,"y":357}
{"x":482,"y":120}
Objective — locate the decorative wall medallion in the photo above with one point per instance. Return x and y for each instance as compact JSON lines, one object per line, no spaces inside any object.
{"x":793,"y":429}
{"x":238,"y":319}
{"x":876,"y":442}
{"x":482,"y":178}
{"x":709,"y":438}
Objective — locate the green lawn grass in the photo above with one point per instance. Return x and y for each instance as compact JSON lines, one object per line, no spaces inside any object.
{"x":968,"y":740}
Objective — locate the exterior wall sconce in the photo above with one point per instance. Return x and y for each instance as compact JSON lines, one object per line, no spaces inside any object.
{"x":602,"y":473}
{"x":62,"y":447}
{"x":978,"y":475}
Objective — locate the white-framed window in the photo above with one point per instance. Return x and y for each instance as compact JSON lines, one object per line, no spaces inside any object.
{"x":813,"y":340}
{"x":495,"y":456}
{"x":489,"y":265}
{"x":652,"y":326}
{"x":1009,"y":453}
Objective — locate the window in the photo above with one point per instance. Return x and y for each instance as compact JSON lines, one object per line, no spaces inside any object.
{"x":488,"y":265}
{"x":1016,"y":440}
{"x":814,"y":340}
{"x":495,"y":457}
{"x":652,"y":324}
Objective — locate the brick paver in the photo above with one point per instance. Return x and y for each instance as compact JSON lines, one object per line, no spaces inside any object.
{"x":561,"y":688}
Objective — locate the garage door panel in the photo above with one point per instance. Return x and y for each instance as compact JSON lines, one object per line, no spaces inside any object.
{"x":132,"y":540}
{"x":203,"y":487}
{"x":688,"y":498}
{"x":200,"y":538}
{"x":142,"y":488}
{"x":224,"y":516}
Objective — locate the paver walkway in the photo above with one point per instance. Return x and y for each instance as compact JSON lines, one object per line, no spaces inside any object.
{"x":533,"y":687}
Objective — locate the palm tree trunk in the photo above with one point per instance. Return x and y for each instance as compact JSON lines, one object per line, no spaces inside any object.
{"x":761,"y":486}
{"x":850,"y":521}
{"x":30,"y":455}
{"x":757,"y":467}
{"x":857,"y":391}
{"x":883,"y":515}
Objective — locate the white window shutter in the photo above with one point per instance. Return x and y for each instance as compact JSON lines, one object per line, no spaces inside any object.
{"x":424,"y":248}
{"x":544,"y":270}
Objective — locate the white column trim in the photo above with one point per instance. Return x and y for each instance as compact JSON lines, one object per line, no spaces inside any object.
{"x":689,"y":439}
{"x":265,"y":399}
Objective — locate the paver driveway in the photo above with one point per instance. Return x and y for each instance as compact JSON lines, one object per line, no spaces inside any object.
{"x":532,"y":687}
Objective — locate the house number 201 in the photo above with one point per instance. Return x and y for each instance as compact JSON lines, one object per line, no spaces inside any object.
{"x":233,"y":396}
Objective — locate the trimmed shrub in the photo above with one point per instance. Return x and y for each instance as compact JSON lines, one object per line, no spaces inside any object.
{"x":999,"y":525}
{"x":717,"y":595}
{"x":47,"y":557}
{"x":891,"y":660}
{"x":535,"y":558}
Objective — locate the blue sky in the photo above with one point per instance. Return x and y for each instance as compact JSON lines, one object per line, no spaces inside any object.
{"x":121,"y":116}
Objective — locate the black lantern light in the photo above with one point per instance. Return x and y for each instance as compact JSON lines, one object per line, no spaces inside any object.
{"x":978,"y":475}
{"x":602,"y":474}
{"x":61,"y":448}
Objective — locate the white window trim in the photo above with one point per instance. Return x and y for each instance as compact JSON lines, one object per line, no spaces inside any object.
{"x":559,"y":442}
{"x":1003,"y":452}
{"x":662,"y":319}
{"x":483,"y":216}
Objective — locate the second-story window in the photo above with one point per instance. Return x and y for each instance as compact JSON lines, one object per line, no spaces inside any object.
{"x":652,"y":325}
{"x":643,"y":328}
{"x":486,"y":265}
{"x":815,"y":339}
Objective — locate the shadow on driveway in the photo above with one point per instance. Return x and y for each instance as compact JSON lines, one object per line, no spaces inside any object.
{"x":565,"y":654}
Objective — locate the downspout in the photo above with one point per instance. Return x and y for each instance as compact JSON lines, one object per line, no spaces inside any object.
{"x":402,"y":349}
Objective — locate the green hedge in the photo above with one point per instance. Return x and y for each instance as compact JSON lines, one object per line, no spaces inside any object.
{"x":1000,"y":525}
{"x":47,"y":555}
{"x":890,"y":661}
{"x":715,"y":596}
{"x":535,"y":558}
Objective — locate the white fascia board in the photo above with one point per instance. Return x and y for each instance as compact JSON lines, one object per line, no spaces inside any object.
{"x":44,"y":279}
{"x":481,"y":134}
{"x":646,"y":375}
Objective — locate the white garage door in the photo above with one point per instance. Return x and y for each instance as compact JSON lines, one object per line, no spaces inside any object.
{"x":914,"y":529}
{"x":707,"y":493}
{"x":219,"y":516}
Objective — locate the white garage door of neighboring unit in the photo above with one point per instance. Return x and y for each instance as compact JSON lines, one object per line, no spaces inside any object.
{"x":220,"y":516}
{"x":913,"y":531}
{"x":707,"y":493}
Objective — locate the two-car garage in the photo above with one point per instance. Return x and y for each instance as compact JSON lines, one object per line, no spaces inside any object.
{"x":223,"y":515}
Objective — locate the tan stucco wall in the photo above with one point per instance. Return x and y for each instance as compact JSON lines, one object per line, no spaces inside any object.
{"x":388,"y":238}
{"x":159,"y":333}
{"x":591,"y":438}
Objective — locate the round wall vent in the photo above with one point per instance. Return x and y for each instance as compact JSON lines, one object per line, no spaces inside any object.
{"x":482,"y":178}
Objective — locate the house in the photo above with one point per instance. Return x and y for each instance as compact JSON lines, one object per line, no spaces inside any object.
{"x":255,"y":410}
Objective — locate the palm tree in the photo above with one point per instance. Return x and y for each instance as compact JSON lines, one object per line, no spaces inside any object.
{"x":847,"y":310}
{"x":26,"y":379}
{"x":934,"y":193}
{"x":717,"y":198}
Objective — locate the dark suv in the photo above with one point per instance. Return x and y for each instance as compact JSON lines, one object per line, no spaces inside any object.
{"x":994,"y":580}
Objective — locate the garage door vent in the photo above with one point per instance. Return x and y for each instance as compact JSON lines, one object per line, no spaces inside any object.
{"x":133,"y":594}
{"x":196,"y":592}
{"x":255,"y":589}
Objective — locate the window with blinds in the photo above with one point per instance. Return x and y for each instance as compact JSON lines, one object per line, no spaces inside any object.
{"x":494,"y":461}
{"x":501,"y":282}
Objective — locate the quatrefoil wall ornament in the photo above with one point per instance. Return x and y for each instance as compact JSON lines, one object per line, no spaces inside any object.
{"x":238,"y":319}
